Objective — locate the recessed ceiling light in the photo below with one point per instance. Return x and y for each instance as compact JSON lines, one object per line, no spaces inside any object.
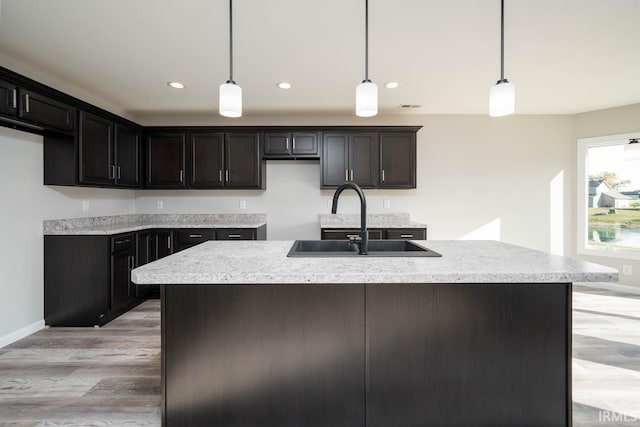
{"x":176,"y":85}
{"x":284,"y":85}
{"x":391,"y":85}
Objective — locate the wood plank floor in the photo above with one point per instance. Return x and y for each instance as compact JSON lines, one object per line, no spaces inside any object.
{"x":111,"y":376}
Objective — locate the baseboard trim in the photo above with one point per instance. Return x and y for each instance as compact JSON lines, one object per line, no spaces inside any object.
{"x":611,"y":287}
{"x":21,"y":333}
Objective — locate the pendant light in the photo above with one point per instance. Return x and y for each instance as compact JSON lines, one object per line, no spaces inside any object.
{"x":503,"y":94}
{"x":230,"y":93}
{"x":367,"y":91}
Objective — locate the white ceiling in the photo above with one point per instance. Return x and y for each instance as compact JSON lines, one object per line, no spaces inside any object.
{"x":564,"y":56}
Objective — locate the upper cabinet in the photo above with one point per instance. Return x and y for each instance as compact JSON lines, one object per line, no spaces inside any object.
{"x":23,"y":106}
{"x":108,"y":152}
{"x":213,"y":160}
{"x":166,"y":154}
{"x":372,"y":159}
{"x":350,"y":157}
{"x":285,"y":145}
{"x":397,"y":160}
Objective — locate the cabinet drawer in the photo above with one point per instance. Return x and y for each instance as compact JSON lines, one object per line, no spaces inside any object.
{"x":406,"y":234}
{"x":346,"y":233}
{"x":236,"y":234}
{"x":193,"y":236}
{"x":122,"y":242}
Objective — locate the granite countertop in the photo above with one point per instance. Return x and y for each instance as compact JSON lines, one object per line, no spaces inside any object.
{"x":394,"y":220}
{"x":108,"y":225}
{"x":266,"y":262}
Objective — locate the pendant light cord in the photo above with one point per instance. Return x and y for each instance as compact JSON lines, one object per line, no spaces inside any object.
{"x":366,"y":40}
{"x":501,"y":40}
{"x":230,"y":40}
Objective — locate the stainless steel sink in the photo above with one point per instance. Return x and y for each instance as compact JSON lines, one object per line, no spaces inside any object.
{"x":344,"y":248}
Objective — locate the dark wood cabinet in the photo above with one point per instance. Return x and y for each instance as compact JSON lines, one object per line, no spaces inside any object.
{"x":296,"y":352}
{"x":123,"y":260}
{"x":163,"y":240}
{"x":397,"y":160}
{"x":166,"y":153}
{"x":127,"y":155}
{"x":87,"y":278}
{"x":188,"y":237}
{"x":95,"y":146}
{"x":243,"y":165}
{"x":375,"y":233}
{"x":350,"y":157}
{"x":46,"y":112}
{"x":283,"y":145}
{"x":207,"y":160}
{"x":8,"y":99}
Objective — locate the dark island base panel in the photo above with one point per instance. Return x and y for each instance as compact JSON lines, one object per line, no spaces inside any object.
{"x":400,"y":355}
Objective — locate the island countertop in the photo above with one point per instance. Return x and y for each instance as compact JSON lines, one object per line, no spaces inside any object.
{"x":266,"y":262}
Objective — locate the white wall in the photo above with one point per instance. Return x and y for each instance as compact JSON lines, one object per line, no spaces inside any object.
{"x":478,"y":177}
{"x":25,"y":203}
{"x":611,"y":121}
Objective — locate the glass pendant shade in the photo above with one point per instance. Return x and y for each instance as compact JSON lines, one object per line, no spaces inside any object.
{"x":366,"y":99}
{"x":230,"y":99}
{"x":502,"y":99}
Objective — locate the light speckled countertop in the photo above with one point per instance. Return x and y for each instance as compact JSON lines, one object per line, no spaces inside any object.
{"x":266,"y":262}
{"x":108,"y":225}
{"x":376,"y":220}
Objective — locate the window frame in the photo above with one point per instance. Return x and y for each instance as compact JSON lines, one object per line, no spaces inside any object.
{"x":582,"y":192}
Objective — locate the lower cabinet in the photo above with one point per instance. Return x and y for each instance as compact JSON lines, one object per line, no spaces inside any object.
{"x":375,"y":233}
{"x":87,"y":279}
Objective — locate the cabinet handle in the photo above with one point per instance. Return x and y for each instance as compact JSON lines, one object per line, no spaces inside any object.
{"x":119,"y":242}
{"x":14,"y":99}
{"x":132,"y":263}
{"x":226,"y":174}
{"x":195,"y":236}
{"x":112,"y":172}
{"x":406,"y":236}
{"x":382,"y":175}
{"x":351,"y":174}
{"x":220,"y":175}
{"x":234,"y":236}
{"x":26,"y":102}
{"x":294,"y":142}
{"x":287,"y":142}
{"x":156,"y":254}
{"x":118,"y":172}
{"x":169,"y":241}
{"x":346,"y":175}
{"x":181,"y":175}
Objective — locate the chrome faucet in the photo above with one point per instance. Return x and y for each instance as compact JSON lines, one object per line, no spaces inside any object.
{"x":363,"y":240}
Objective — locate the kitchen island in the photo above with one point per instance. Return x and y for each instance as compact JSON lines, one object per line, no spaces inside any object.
{"x":478,"y":337}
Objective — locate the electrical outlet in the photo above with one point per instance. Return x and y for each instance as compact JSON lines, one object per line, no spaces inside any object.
{"x":159,"y":205}
{"x":386,"y":203}
{"x":627,"y":269}
{"x":86,"y":206}
{"x":243,"y":204}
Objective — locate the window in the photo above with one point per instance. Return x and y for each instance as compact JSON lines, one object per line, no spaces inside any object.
{"x":609,"y":196}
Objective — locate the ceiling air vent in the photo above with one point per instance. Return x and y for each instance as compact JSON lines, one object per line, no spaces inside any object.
{"x":410,"y":105}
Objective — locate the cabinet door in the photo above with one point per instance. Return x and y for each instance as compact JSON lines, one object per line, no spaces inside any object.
{"x":207,"y":155}
{"x":46,"y":112}
{"x":166,"y":160}
{"x":304,"y":144}
{"x":277,"y":143}
{"x":242,"y":160}
{"x":236,"y":234}
{"x":163,"y":241}
{"x":347,"y":233}
{"x":146,"y":248}
{"x":121,"y":265}
{"x":406,"y":234}
{"x":95,"y":145}
{"x":127,"y":153}
{"x":363,"y":159}
{"x":398,"y":160}
{"x":334,"y":160}
{"x":8,"y":99}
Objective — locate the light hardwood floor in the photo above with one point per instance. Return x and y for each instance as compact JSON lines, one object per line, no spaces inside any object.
{"x":111,"y":376}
